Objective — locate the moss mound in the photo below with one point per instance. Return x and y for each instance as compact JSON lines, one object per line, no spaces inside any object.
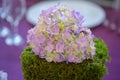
{"x":35,"y":68}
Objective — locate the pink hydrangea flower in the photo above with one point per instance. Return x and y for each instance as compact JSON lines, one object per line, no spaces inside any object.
{"x":71,"y":59}
{"x":50,"y":40}
{"x":41,"y":38}
{"x":36,"y":50}
{"x":49,"y":47}
{"x":41,"y":52}
{"x":82,"y":41}
{"x":60,"y":46}
{"x":59,"y":36}
{"x":55,"y":30}
{"x":68,"y":49}
{"x":45,"y":14}
{"x":60,"y":58}
{"x":78,"y":17}
{"x":66,"y":34}
{"x":31,"y":33}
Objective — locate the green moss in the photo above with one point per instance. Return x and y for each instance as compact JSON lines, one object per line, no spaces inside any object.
{"x":35,"y":68}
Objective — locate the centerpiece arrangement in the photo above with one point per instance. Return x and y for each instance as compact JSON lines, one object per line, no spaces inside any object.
{"x":61,"y":48}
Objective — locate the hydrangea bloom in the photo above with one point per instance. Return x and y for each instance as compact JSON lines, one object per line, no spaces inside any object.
{"x":59,"y":36}
{"x":60,"y":46}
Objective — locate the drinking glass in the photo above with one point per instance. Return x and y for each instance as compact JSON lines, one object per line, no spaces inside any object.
{"x":16,"y":13}
{"x":3,"y":75}
{"x":4,"y":9}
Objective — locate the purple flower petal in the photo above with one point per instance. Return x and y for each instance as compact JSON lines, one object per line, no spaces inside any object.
{"x":66,"y":34}
{"x":78,"y":17}
{"x":41,"y":39}
{"x":41,"y":52}
{"x":59,"y":46}
{"x":36,"y":50}
{"x":60,"y":58}
{"x":55,"y":30}
{"x":49,"y":47}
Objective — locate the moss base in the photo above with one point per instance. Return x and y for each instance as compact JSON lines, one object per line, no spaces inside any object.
{"x":35,"y":68}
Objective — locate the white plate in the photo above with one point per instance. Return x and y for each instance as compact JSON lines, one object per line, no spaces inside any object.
{"x":93,"y":13}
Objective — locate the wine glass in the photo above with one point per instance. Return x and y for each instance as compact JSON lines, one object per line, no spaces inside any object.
{"x":112,"y":17}
{"x":4,"y":9}
{"x":16,"y":13}
{"x":3,"y":75}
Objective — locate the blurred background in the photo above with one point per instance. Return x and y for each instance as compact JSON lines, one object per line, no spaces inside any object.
{"x":18,"y":16}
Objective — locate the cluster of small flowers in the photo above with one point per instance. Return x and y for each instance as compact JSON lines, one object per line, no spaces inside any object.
{"x":59,"y":36}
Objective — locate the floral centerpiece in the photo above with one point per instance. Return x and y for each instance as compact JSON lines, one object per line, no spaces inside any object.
{"x":61,"y":48}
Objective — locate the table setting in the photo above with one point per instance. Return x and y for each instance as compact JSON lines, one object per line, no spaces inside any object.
{"x":17,"y":17}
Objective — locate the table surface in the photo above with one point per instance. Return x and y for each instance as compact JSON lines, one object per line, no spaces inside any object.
{"x":10,"y":55}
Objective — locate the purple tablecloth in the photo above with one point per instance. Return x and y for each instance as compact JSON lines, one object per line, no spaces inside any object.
{"x":10,"y":55}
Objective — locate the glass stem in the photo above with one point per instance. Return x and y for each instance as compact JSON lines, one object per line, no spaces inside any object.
{"x":15,"y":27}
